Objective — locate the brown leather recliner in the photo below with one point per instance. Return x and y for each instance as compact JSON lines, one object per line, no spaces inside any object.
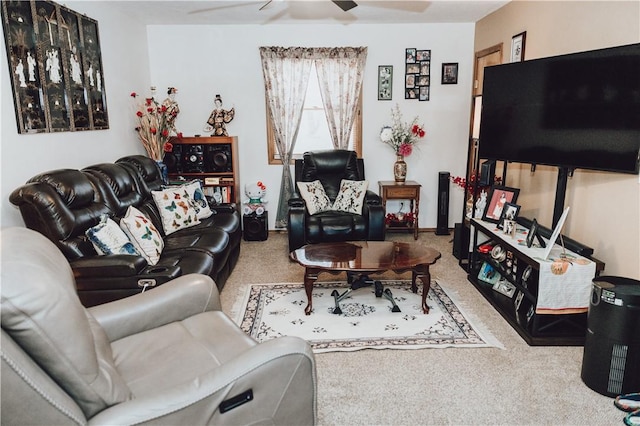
{"x":330,"y":168}
{"x":167,"y":356}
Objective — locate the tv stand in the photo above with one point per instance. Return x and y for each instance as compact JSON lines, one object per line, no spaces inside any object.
{"x":516,"y":281}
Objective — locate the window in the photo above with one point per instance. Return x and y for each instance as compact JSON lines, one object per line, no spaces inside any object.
{"x":314,"y":130}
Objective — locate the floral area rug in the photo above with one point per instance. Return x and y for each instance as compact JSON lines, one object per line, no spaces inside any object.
{"x":366,"y":321}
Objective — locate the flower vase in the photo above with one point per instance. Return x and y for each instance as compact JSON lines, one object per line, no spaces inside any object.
{"x":400,"y":169}
{"x":164,"y":171}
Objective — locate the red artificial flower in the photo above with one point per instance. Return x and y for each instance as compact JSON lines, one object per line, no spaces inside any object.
{"x":153,"y":130}
{"x":180,"y":135}
{"x":168,"y":147}
{"x":165,"y":133}
{"x":415,"y":129}
{"x":134,"y":94}
{"x":421,"y":133}
{"x":405,"y":149}
{"x":149,"y":109}
{"x":148,"y":101}
{"x":163,"y":108}
{"x":139,"y":113}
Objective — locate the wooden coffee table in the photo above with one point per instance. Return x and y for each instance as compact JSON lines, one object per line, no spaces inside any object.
{"x":366,"y":257}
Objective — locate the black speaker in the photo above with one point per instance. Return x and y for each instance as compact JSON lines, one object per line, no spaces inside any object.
{"x":256,"y":227}
{"x":611,"y":361}
{"x":443,"y":204}
{"x":173,"y":159}
{"x":217,"y":158}
{"x":487,"y":173}
{"x":192,"y":159}
{"x":461,"y":235}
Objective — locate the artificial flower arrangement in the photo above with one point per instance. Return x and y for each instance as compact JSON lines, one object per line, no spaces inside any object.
{"x":155,"y":123}
{"x":471,"y":184}
{"x":402,"y":136}
{"x":399,"y":219}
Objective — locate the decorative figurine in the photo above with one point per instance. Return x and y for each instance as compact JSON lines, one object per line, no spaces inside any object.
{"x":255,"y":204}
{"x":172,"y":109}
{"x":218,"y":118}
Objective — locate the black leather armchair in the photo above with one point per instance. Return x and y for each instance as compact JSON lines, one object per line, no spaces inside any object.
{"x":330,"y":168}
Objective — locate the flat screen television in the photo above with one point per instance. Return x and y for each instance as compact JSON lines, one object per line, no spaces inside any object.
{"x":579,"y":111}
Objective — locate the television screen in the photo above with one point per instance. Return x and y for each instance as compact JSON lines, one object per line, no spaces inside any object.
{"x":578,"y":111}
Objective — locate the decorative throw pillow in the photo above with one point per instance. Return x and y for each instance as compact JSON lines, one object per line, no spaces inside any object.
{"x":108,"y":238}
{"x":198,"y":200}
{"x":313,"y":194}
{"x":350,"y":198}
{"x":144,"y":236}
{"x":175,"y":209}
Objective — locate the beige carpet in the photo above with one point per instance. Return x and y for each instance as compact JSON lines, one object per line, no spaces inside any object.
{"x":520,"y":385}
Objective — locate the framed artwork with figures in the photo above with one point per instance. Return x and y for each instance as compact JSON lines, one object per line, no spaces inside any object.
{"x":498,"y":197}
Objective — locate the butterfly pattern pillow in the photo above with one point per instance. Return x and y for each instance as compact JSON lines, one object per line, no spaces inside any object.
{"x":314,"y":196}
{"x":108,"y":238}
{"x":175,"y":208}
{"x":198,"y":199}
{"x":142,"y":234}
{"x":350,"y":198}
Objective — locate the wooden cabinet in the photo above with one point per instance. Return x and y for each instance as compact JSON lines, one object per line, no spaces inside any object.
{"x":410,"y":190}
{"x":212,"y":160}
{"x":545,"y":301}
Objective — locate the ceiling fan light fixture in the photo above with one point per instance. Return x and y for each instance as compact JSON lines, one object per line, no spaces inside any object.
{"x":345,"y":5}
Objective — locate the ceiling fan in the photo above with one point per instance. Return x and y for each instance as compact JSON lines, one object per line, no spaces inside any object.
{"x":344,"y":5}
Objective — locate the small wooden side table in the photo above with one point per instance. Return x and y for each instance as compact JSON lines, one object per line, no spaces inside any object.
{"x":410,"y":190}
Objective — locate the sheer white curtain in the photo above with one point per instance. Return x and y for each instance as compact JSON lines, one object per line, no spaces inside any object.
{"x":286,"y":74}
{"x":340,"y":71}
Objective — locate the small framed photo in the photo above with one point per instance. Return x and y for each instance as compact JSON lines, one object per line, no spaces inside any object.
{"x":533,"y":234}
{"x":425,"y":67}
{"x":498,"y":197}
{"x":517,"y":47}
{"x":410,"y":81}
{"x":413,"y":68}
{"x":385,"y":82}
{"x":423,"y":80}
{"x":424,"y":93}
{"x":505,"y":287}
{"x":411,"y":93}
{"x":410,"y":55}
{"x":450,"y":73}
{"x":509,"y":227}
{"x":509,"y":212}
{"x":423,"y":55}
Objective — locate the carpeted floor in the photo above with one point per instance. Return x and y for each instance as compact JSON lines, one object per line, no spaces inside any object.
{"x":520,"y":385}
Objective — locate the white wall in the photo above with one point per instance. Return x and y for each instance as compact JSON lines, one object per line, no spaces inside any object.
{"x":202,"y":61}
{"x":125,"y":66}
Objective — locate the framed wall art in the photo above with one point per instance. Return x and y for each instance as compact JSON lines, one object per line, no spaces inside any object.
{"x":55,"y":66}
{"x":517,"y":47}
{"x":450,"y":73}
{"x":385,"y":82}
{"x":417,"y":74}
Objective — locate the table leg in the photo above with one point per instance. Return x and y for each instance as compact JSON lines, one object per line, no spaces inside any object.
{"x":423,"y":275}
{"x":310,"y":277}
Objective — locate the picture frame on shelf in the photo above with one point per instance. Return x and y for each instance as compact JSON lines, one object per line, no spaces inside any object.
{"x":517,"y":47}
{"x":509,"y":228}
{"x":488,"y":274}
{"x":509,"y":212}
{"x":498,"y":197}
{"x":450,"y":73}
{"x":533,"y":234}
{"x":385,"y":82}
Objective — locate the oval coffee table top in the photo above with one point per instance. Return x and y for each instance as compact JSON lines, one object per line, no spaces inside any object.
{"x":364,"y":255}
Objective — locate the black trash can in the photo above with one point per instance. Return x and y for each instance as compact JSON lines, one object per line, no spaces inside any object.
{"x":611,"y":361}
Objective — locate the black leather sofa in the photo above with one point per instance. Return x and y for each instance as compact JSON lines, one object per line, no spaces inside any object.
{"x":330,"y":167}
{"x":62,"y":204}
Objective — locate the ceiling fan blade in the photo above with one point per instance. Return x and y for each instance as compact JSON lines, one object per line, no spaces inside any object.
{"x":345,"y":5}
{"x":266,"y":4}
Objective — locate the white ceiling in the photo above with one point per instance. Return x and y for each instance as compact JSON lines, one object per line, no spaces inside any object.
{"x":188,"y":12}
